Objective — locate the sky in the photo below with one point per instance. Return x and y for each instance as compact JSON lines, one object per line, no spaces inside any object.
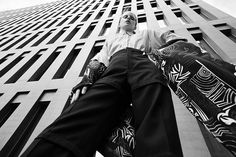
{"x":16,"y":4}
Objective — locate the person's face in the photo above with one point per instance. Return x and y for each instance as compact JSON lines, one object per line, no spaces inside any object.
{"x":128,"y":21}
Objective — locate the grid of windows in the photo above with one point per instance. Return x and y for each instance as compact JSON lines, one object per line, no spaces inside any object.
{"x":44,"y":50}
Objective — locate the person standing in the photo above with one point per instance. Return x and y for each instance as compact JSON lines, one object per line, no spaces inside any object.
{"x":119,"y":75}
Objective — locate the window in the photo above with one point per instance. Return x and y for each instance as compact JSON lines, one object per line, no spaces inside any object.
{"x":29,"y":40}
{"x":142,"y":22}
{"x":58,"y":35}
{"x":44,"y":23}
{"x":228,"y":31}
{"x":87,"y":17}
{"x":54,"y":21}
{"x":140,"y":8}
{"x":2,"y":60}
{"x":6,"y":29}
{"x":30,"y":27}
{"x":96,"y":6}
{"x":25,"y":67}
{"x":63,"y":21}
{"x":106,"y":4}
{"x":16,"y":42}
{"x":203,"y":13}
{"x":8,"y":41}
{"x":127,"y":1}
{"x":61,"y":72}
{"x":75,"y":19}
{"x":181,"y":16}
{"x":106,"y":28}
{"x":66,"y":12}
{"x":11,"y":30}
{"x":43,"y":68}
{"x":187,"y":1}
{"x":19,"y":29}
{"x":13,"y":63}
{"x":76,"y":10}
{"x":11,"y":106}
{"x":96,"y":48}
{"x":202,"y":42}
{"x":154,"y":5}
{"x":99,"y":15}
{"x":72,"y":33}
{"x":113,"y":12}
{"x":88,"y":31}
{"x":19,"y":138}
{"x":86,"y":8}
{"x":43,"y":38}
{"x":160,"y":19}
{"x":117,"y":2}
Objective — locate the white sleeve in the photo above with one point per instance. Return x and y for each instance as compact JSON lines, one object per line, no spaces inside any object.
{"x":102,"y":56}
{"x":159,"y":38}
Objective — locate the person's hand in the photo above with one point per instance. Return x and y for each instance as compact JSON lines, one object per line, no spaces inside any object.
{"x":92,"y":73}
{"x":75,"y":95}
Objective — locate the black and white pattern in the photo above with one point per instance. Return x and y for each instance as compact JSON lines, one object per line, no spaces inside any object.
{"x":121,"y":143}
{"x":206,"y":87}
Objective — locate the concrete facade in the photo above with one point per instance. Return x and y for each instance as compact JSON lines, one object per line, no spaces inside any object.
{"x":44,"y":50}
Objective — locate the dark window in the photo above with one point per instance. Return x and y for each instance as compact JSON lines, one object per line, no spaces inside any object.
{"x":5,"y":57}
{"x":87,"y":16}
{"x":106,"y":28}
{"x":29,"y":40}
{"x":96,"y":48}
{"x":203,"y":13}
{"x":9,"y":40}
{"x":228,"y":31}
{"x":17,"y":141}
{"x":61,"y":72}
{"x":57,"y":35}
{"x":198,"y":36}
{"x":10,"y":107}
{"x":75,"y":19}
{"x":160,"y":19}
{"x":113,"y":12}
{"x":99,"y":15}
{"x":88,"y":31}
{"x":13,"y":63}
{"x":25,"y":67}
{"x":142,"y":22}
{"x":72,"y":33}
{"x":43,"y":38}
{"x":43,"y":68}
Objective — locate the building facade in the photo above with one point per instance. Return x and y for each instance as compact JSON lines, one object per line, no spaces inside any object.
{"x":44,"y":50}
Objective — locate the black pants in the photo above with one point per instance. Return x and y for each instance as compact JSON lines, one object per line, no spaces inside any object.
{"x":129,"y":78}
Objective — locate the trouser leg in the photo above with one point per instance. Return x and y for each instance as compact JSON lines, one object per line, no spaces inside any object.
{"x":81,"y":128}
{"x":46,"y":148}
{"x":156,"y":129}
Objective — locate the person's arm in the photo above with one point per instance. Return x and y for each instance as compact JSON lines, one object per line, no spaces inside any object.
{"x":93,"y":72}
{"x":158,"y":40}
{"x":169,"y":37}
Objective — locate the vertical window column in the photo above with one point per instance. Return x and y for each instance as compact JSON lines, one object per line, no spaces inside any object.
{"x":68,"y":62}
{"x":142,"y":22}
{"x":47,"y":63}
{"x":161,"y":19}
{"x":19,"y":138}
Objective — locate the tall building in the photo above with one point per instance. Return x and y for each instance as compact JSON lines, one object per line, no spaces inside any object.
{"x":44,"y":50}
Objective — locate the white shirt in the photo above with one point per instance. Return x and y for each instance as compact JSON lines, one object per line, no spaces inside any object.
{"x":145,"y":40}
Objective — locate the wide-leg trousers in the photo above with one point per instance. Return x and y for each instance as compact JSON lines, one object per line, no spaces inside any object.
{"x":129,"y":79}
